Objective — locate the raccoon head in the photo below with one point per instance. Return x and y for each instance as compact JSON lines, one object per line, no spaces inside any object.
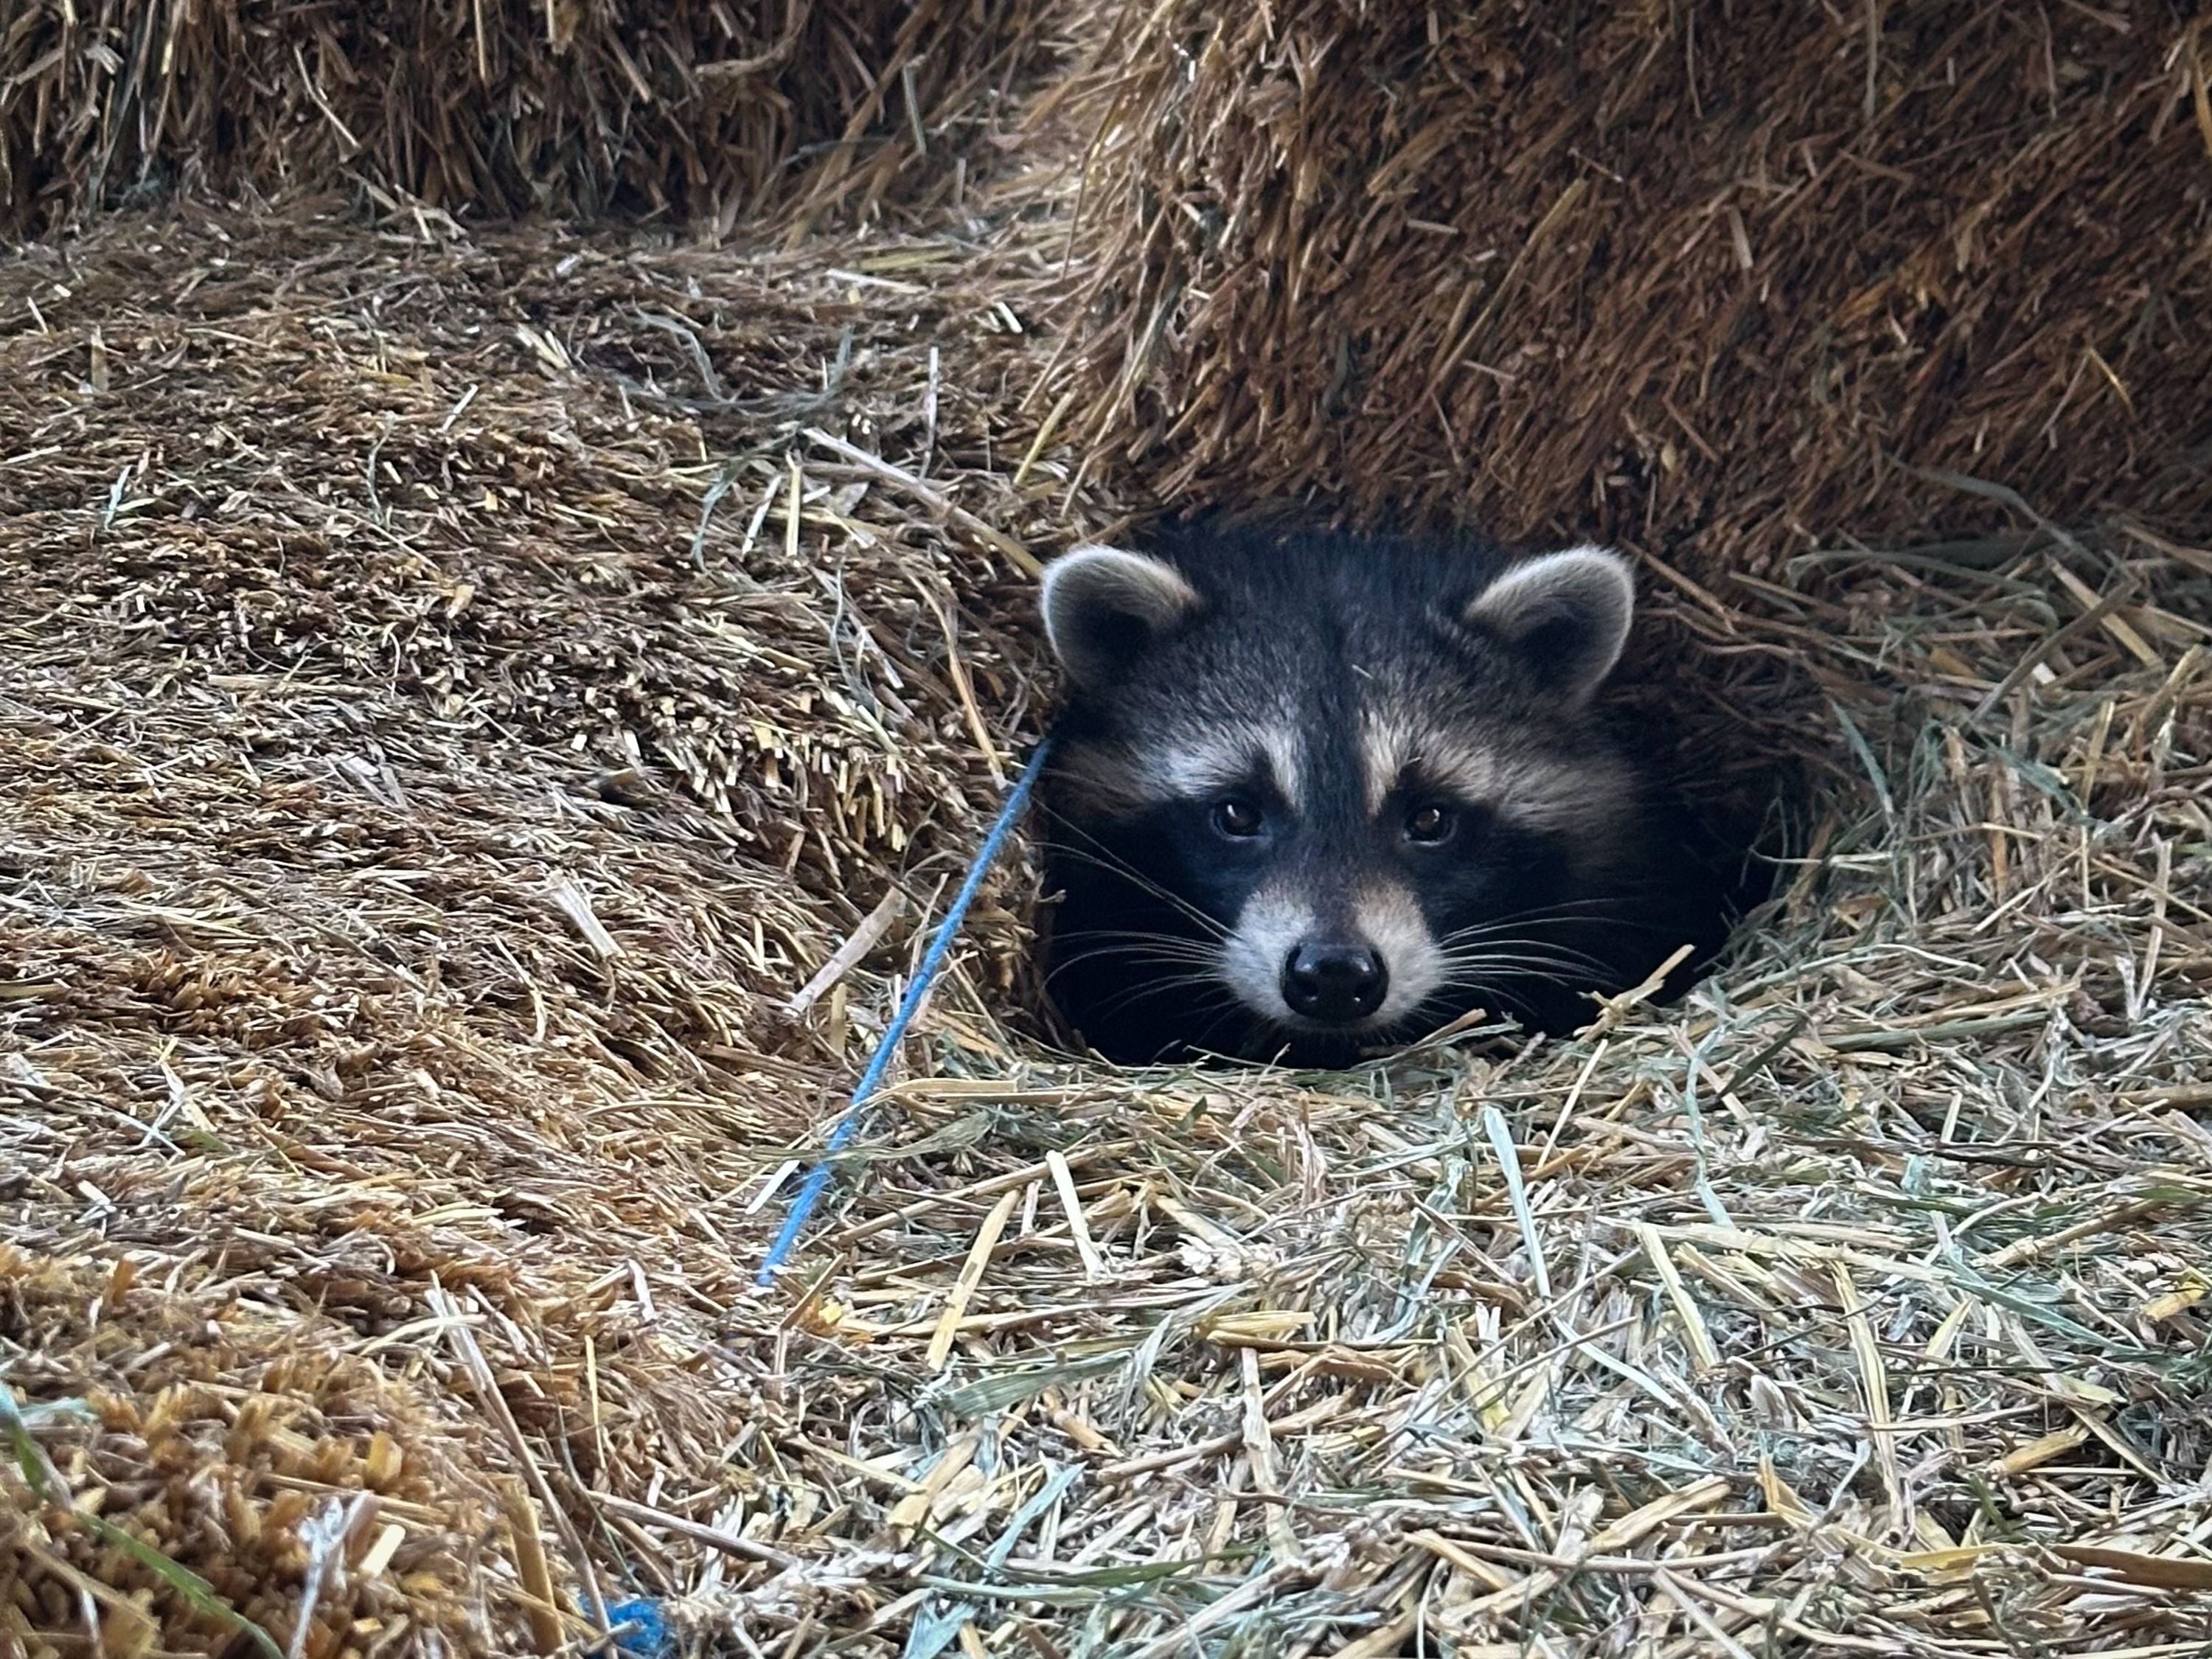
{"x":1306,"y":804}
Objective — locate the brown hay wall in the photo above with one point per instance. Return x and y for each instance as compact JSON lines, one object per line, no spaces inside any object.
{"x":696,"y":110}
{"x":1664,"y":272}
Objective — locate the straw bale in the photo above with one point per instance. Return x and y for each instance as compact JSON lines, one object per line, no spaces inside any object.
{"x":218,"y":1431}
{"x":1712,"y":282}
{"x":451,"y":703}
{"x":506,"y":106}
{"x":436,"y":752}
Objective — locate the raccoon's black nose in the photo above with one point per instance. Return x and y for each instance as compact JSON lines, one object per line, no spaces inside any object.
{"x":1336,"y":983}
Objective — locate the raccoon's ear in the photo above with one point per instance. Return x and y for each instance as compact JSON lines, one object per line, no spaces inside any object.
{"x":1104,"y":608}
{"x":1565,"y":615}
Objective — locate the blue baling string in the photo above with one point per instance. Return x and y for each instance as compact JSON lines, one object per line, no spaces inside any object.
{"x":651,"y":1639}
{"x":933,"y":962}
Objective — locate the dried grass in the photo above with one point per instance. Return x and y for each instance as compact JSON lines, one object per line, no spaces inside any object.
{"x":709,"y":110}
{"x":437,"y":753}
{"x":1713,"y":284}
{"x":443,"y":695}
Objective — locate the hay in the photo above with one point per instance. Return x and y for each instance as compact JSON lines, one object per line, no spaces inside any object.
{"x":442,"y":692}
{"x":232,"y":1432}
{"x":436,"y":757}
{"x":1711,"y":284}
{"x":700,"y":111}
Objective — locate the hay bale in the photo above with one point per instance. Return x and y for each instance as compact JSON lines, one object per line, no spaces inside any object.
{"x":557,"y":707}
{"x":703,"y":110}
{"x":1652,"y":272}
{"x":238,"y":1442}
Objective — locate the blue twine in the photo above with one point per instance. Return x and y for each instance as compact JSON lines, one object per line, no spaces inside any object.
{"x":932,"y":962}
{"x":652,"y":1638}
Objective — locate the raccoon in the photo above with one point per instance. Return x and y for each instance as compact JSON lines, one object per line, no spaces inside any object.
{"x":1315,"y":794}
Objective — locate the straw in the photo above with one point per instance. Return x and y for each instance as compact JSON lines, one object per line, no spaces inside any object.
{"x":1632,"y":273}
{"x":819,"y":109}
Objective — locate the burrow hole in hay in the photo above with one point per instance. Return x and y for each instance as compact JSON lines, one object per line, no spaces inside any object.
{"x":1726,"y":729}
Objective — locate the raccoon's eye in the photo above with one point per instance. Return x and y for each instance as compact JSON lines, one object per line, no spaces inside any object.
{"x":1431,"y":824}
{"x":1238,"y":818}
